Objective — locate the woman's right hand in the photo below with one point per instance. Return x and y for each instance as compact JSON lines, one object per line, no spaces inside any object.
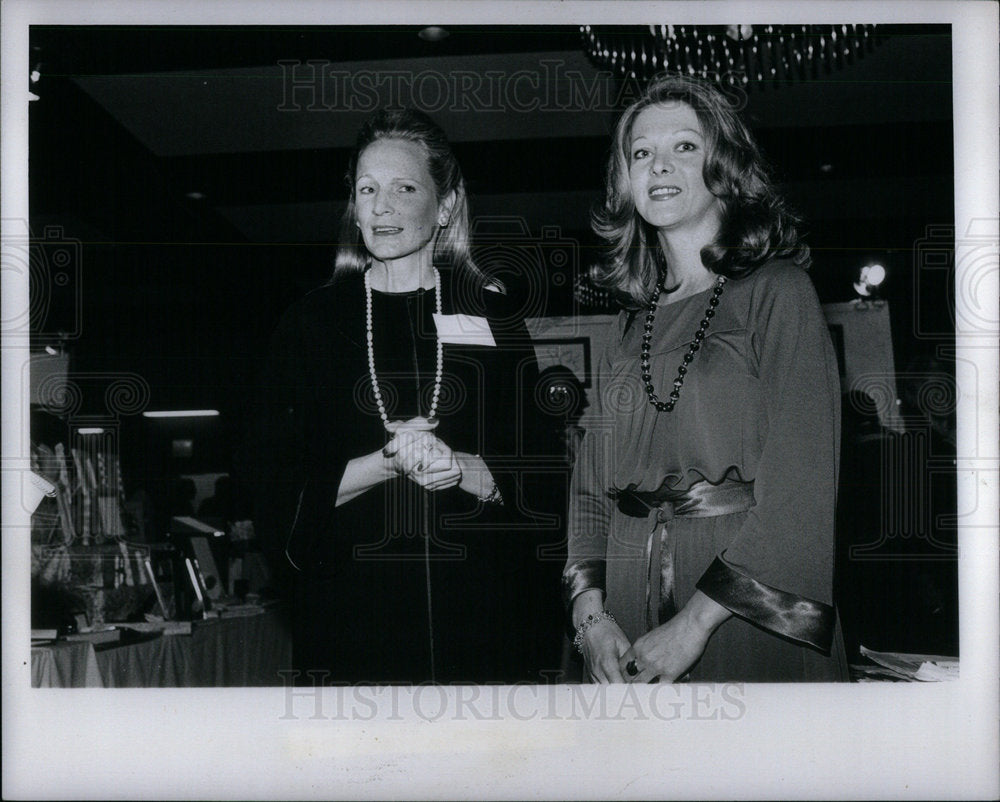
{"x":603,"y":643}
{"x":423,"y":458}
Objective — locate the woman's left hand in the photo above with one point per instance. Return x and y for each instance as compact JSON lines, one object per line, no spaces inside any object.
{"x":423,"y":458}
{"x":668,"y":652}
{"x":476,"y":477}
{"x":665,"y":653}
{"x":438,"y":468}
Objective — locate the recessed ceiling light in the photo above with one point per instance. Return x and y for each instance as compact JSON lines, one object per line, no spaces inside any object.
{"x":182,"y":413}
{"x":196,"y":195}
{"x":433,"y":33}
{"x":826,"y":168}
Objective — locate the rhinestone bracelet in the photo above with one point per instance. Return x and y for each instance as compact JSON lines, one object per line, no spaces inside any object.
{"x":587,"y":623}
{"x":493,"y":497}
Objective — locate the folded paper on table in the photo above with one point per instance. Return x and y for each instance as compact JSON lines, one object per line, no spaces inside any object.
{"x":919,"y":667}
{"x":937,"y":671}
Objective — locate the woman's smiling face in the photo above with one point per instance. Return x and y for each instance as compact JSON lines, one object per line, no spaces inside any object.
{"x":666,"y":162}
{"x":396,"y":202}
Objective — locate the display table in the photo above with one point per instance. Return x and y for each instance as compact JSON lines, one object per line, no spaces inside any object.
{"x":65,"y":665}
{"x":223,"y":652}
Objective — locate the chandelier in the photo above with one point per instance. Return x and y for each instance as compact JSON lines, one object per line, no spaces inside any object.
{"x":747,"y":56}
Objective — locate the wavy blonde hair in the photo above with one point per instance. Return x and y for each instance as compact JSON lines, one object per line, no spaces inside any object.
{"x":756,"y":223}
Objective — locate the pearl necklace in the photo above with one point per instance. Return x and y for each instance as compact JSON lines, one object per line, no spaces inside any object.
{"x":668,"y":406}
{"x":371,"y":350}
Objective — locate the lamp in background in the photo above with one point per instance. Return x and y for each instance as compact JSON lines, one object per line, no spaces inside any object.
{"x":870,"y":279}
{"x":747,"y":56}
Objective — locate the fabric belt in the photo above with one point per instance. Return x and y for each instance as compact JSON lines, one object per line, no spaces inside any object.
{"x":701,"y":500}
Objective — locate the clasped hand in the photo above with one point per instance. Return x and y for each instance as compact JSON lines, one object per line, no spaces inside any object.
{"x":666,"y":653}
{"x":661,"y":655}
{"x":415,"y":452}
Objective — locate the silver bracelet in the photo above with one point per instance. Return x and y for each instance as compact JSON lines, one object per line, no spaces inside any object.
{"x":494,"y":496}
{"x":587,"y":623}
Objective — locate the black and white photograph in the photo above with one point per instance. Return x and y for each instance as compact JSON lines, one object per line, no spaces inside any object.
{"x":603,"y":392}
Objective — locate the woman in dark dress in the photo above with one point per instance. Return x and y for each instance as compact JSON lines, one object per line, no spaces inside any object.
{"x":398,"y":399}
{"x":701,"y":522}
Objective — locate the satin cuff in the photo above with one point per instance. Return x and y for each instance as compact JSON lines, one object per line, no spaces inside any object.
{"x":796,"y":617}
{"x":580,"y":576}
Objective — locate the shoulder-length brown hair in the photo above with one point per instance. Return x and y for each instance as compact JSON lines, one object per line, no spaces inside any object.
{"x":756,"y":224}
{"x":452,"y":247}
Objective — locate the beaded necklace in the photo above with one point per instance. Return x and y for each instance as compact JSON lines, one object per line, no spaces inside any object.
{"x":371,"y":350}
{"x":668,"y":406}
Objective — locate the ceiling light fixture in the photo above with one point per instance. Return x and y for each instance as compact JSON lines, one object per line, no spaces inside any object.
{"x":182,"y":413}
{"x":433,"y":33}
{"x":749,"y":56}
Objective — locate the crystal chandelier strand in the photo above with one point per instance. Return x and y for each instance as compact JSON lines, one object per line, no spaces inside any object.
{"x":768,"y":56}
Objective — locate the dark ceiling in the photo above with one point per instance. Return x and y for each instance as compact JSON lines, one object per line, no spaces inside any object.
{"x":183,"y":290}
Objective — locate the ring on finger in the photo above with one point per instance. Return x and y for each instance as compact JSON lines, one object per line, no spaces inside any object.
{"x":631,"y":668}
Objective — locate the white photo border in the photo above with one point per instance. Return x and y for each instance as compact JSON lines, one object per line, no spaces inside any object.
{"x":853,"y":741}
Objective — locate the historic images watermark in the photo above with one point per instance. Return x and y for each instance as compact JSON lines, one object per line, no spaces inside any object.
{"x":323,"y":86}
{"x":553,"y":86}
{"x":919,"y":513}
{"x":969,"y":261}
{"x":49,"y":264}
{"x":523,"y":702}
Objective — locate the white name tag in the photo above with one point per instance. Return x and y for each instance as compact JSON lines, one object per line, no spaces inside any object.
{"x":464,"y":330}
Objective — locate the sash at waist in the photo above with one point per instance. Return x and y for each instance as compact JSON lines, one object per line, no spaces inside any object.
{"x":701,"y":500}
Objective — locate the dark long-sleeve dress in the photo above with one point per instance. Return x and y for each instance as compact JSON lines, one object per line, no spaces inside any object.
{"x":400,"y":584}
{"x":732,"y":493}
